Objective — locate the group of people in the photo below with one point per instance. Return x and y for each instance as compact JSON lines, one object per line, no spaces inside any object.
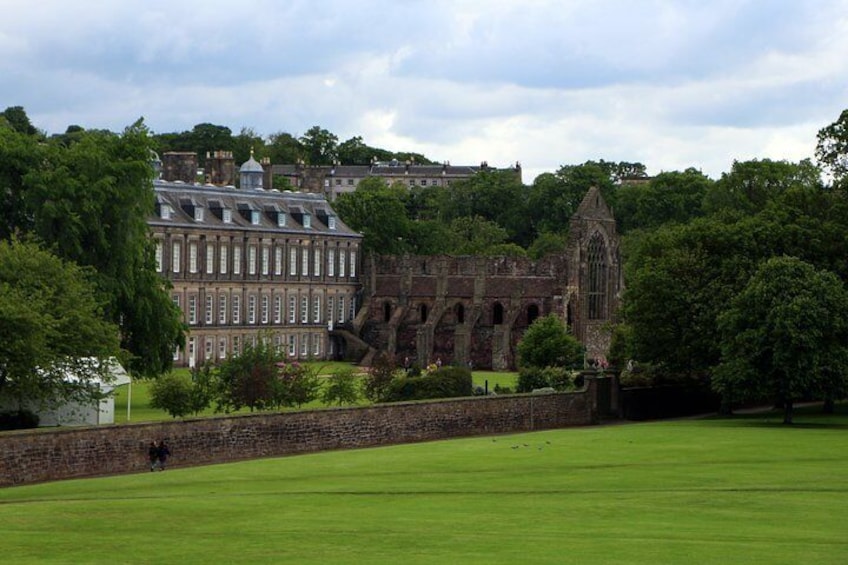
{"x":158,"y":453}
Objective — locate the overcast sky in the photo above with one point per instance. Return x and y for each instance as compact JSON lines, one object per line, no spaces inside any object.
{"x":672,"y":84}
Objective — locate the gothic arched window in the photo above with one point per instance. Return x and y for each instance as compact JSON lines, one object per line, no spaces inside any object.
{"x":598,"y":271}
{"x":532,"y":314}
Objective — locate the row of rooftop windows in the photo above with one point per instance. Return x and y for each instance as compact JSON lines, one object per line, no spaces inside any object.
{"x":251,"y":214}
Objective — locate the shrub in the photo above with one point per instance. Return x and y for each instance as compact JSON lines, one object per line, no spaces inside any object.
{"x":341,"y":388}
{"x":18,"y":420}
{"x":558,"y":378}
{"x":172,"y":392}
{"x":446,"y":382}
{"x":383,"y":372}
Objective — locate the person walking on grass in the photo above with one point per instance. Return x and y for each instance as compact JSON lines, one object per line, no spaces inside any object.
{"x":162,"y":454}
{"x":153,"y":455}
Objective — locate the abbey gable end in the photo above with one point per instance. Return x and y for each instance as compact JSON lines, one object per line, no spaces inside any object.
{"x":474,"y":310}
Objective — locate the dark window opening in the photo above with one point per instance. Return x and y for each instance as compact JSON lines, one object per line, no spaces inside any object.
{"x":497,"y":314}
{"x":387,"y":311}
{"x":532,"y":314}
{"x":423,"y":311}
{"x":460,"y":313}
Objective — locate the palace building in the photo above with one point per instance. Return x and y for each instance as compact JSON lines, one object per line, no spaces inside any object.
{"x":251,"y":263}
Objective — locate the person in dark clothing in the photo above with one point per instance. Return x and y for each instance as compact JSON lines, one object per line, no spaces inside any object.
{"x":153,"y":455}
{"x":162,"y":454}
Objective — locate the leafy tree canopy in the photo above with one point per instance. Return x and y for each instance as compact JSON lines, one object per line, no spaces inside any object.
{"x":547,"y":343}
{"x":785,"y":335}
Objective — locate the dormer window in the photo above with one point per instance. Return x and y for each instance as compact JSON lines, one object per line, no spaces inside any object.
{"x":331,"y":222}
{"x":254,"y":217}
{"x":281,"y":219}
{"x":165,"y":211}
{"x":227,"y":216}
{"x":198,"y":214}
{"x":307,"y":221}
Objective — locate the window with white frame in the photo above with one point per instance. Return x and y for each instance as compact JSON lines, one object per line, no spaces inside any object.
{"x":165,"y":211}
{"x":192,"y":349}
{"x":292,"y":309}
{"x":292,"y":260}
{"x":304,"y":263}
{"x":316,"y":309}
{"x":254,"y":217}
{"x":352,"y":308}
{"x":304,"y":346}
{"x":192,"y":309}
{"x":316,"y":345}
{"x":266,"y":259}
{"x":192,"y":257}
{"x":307,"y":221}
{"x":330,"y":312}
{"x":210,"y":309}
{"x":352,"y":263}
{"x":198,"y":214}
{"x":281,"y":219}
{"x":236,"y":259}
{"x":175,"y":298}
{"x":251,"y":259}
{"x":304,"y":309}
{"x":210,"y":258}
{"x":159,"y":263}
{"x":278,"y":343}
{"x":236,"y":346}
{"x":341,"y":309}
{"x":265,"y":305}
{"x":236,"y":309}
{"x":331,"y":222}
{"x":331,"y":262}
{"x":177,"y":353}
{"x":278,"y":309}
{"x":278,"y":260}
{"x":176,"y":249}
{"x":342,"y":259}
{"x":222,"y":347}
{"x":227,"y":216}
{"x":292,"y":345}
{"x":210,"y":347}
{"x":251,"y":309}
{"x":222,"y":309}
{"x":222,"y":259}
{"x":317,"y":262}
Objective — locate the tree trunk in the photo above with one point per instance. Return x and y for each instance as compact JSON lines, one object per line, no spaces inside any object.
{"x":787,"y":412}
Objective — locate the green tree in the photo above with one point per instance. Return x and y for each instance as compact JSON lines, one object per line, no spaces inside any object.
{"x":547,"y":343}
{"x":547,"y":244}
{"x":474,"y":235}
{"x":89,"y":202}
{"x":342,"y":387}
{"x":832,"y":149}
{"x":296,"y":384}
{"x":751,"y":185}
{"x":248,"y":143}
{"x":51,"y":320}
{"x":378,"y":212}
{"x":785,"y":335}
{"x":320,"y":146}
{"x":668,"y":197}
{"x":172,"y":392}
{"x":378,"y":381}
{"x":283,"y":147}
{"x":17,"y":118}
{"x":250,"y":379}
{"x":19,"y":155}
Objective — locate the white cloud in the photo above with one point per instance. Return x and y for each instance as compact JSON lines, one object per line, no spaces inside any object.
{"x":669,"y":83}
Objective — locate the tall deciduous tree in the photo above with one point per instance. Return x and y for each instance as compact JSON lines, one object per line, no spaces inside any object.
{"x":832,"y":149}
{"x":378,"y":212}
{"x":320,"y":146}
{"x":89,"y":201}
{"x":785,"y":336}
{"x":50,"y":319}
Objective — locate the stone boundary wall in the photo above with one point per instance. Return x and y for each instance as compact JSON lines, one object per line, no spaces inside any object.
{"x":31,"y":456}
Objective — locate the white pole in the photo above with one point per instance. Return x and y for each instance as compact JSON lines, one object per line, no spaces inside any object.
{"x":129,"y":398}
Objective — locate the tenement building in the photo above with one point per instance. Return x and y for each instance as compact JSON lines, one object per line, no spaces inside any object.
{"x":333,"y":180}
{"x":252,"y":263}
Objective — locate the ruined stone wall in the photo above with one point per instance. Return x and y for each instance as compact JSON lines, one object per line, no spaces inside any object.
{"x":45,"y":455}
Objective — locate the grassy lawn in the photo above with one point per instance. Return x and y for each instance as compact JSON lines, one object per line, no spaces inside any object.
{"x":140,"y":410}
{"x":740,"y":490}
